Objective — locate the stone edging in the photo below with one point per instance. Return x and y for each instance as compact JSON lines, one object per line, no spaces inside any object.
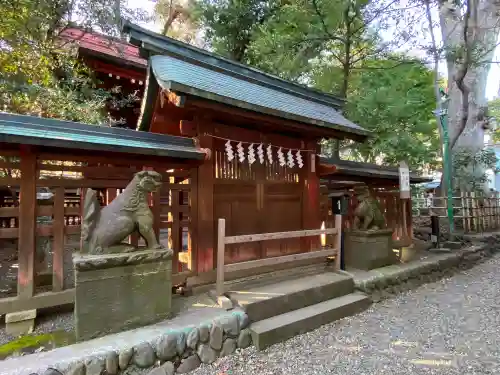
{"x":178,"y":351}
{"x":387,"y":285}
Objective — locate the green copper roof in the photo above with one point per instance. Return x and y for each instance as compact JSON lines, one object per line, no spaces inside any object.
{"x":353,"y":168}
{"x":178,"y":75}
{"x":55,"y":133}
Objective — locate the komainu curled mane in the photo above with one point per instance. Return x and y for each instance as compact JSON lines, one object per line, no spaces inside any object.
{"x":103,"y":230}
{"x":368,"y":214}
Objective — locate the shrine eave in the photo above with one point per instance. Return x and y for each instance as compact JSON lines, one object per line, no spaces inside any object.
{"x":336,"y":168}
{"x":172,"y":74}
{"x":38,"y":131}
{"x":151,"y":44}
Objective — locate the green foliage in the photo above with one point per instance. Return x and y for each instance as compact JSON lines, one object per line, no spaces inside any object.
{"x":230,"y":25}
{"x":494,"y":112}
{"x":396,"y":104}
{"x":469,"y":168}
{"x":39,"y":74}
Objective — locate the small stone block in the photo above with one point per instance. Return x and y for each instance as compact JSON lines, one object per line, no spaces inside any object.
{"x":20,"y":323}
{"x":20,"y":316}
{"x":224,"y":302}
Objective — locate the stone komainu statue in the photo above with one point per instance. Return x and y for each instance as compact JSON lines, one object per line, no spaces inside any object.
{"x":367,"y":215}
{"x":103,"y":230}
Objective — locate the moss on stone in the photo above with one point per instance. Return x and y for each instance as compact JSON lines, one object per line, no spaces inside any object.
{"x":30,"y":343}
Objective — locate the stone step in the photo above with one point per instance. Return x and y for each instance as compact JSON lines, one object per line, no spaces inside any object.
{"x":264,"y":301}
{"x":283,"y":327}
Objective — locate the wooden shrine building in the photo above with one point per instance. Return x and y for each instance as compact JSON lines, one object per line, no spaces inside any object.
{"x":193,"y":93}
{"x":232,"y":142}
{"x":115,"y":63}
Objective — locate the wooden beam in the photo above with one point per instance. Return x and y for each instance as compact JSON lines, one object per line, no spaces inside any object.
{"x":278,"y":235}
{"x":27,"y":224}
{"x":255,"y":264}
{"x":38,"y":301}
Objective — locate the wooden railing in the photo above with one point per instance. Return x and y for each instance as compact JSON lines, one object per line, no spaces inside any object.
{"x":223,"y":240}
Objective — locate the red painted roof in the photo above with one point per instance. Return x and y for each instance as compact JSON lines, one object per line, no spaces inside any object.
{"x":103,"y":44}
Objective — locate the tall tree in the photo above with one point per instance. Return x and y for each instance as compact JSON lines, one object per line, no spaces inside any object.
{"x":469,"y":33}
{"x":178,"y":19}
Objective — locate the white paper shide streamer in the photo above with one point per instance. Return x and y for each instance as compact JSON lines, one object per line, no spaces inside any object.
{"x":251,"y":154}
{"x":241,"y":152}
{"x":290,"y":162}
{"x":229,"y":151}
{"x":298,"y":157}
{"x":270,"y":154}
{"x":281,"y":157}
{"x":260,"y":153}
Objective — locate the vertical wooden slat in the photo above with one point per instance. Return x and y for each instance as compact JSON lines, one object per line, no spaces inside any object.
{"x":156,"y":213}
{"x":58,"y":244}
{"x":110,"y":195}
{"x":27,"y":224}
{"x":193,"y":215}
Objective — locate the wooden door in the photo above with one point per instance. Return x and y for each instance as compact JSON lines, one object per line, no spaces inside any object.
{"x":236,"y":201}
{"x":281,"y":211}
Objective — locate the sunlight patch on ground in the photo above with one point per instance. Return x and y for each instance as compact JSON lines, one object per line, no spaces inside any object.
{"x":431,"y":362}
{"x":405,"y":344}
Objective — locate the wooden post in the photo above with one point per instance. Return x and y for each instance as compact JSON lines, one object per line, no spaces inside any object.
{"x":338,"y":240}
{"x":464,"y":218}
{"x":27,"y":224}
{"x":58,"y":231}
{"x":221,"y":234}
{"x":474,"y":211}
{"x":206,"y":219}
{"x":311,"y":215}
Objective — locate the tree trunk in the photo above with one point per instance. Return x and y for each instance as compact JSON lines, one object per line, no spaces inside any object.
{"x":480,"y":32}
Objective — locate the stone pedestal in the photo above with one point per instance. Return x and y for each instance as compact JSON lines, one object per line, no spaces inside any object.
{"x":367,"y":250}
{"x":117,"y":292}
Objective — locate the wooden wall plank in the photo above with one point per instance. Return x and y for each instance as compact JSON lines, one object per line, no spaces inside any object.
{"x":27,"y":224}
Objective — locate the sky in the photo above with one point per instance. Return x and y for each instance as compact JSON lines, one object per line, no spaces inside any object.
{"x":492,"y":87}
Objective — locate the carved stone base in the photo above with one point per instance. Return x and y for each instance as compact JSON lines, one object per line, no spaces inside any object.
{"x":117,"y":292}
{"x":367,"y":250}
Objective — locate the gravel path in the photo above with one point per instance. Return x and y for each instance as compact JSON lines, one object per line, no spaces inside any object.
{"x":447,"y":327}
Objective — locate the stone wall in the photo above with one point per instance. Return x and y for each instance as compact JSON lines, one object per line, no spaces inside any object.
{"x":415,"y":274}
{"x":177,"y":351}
